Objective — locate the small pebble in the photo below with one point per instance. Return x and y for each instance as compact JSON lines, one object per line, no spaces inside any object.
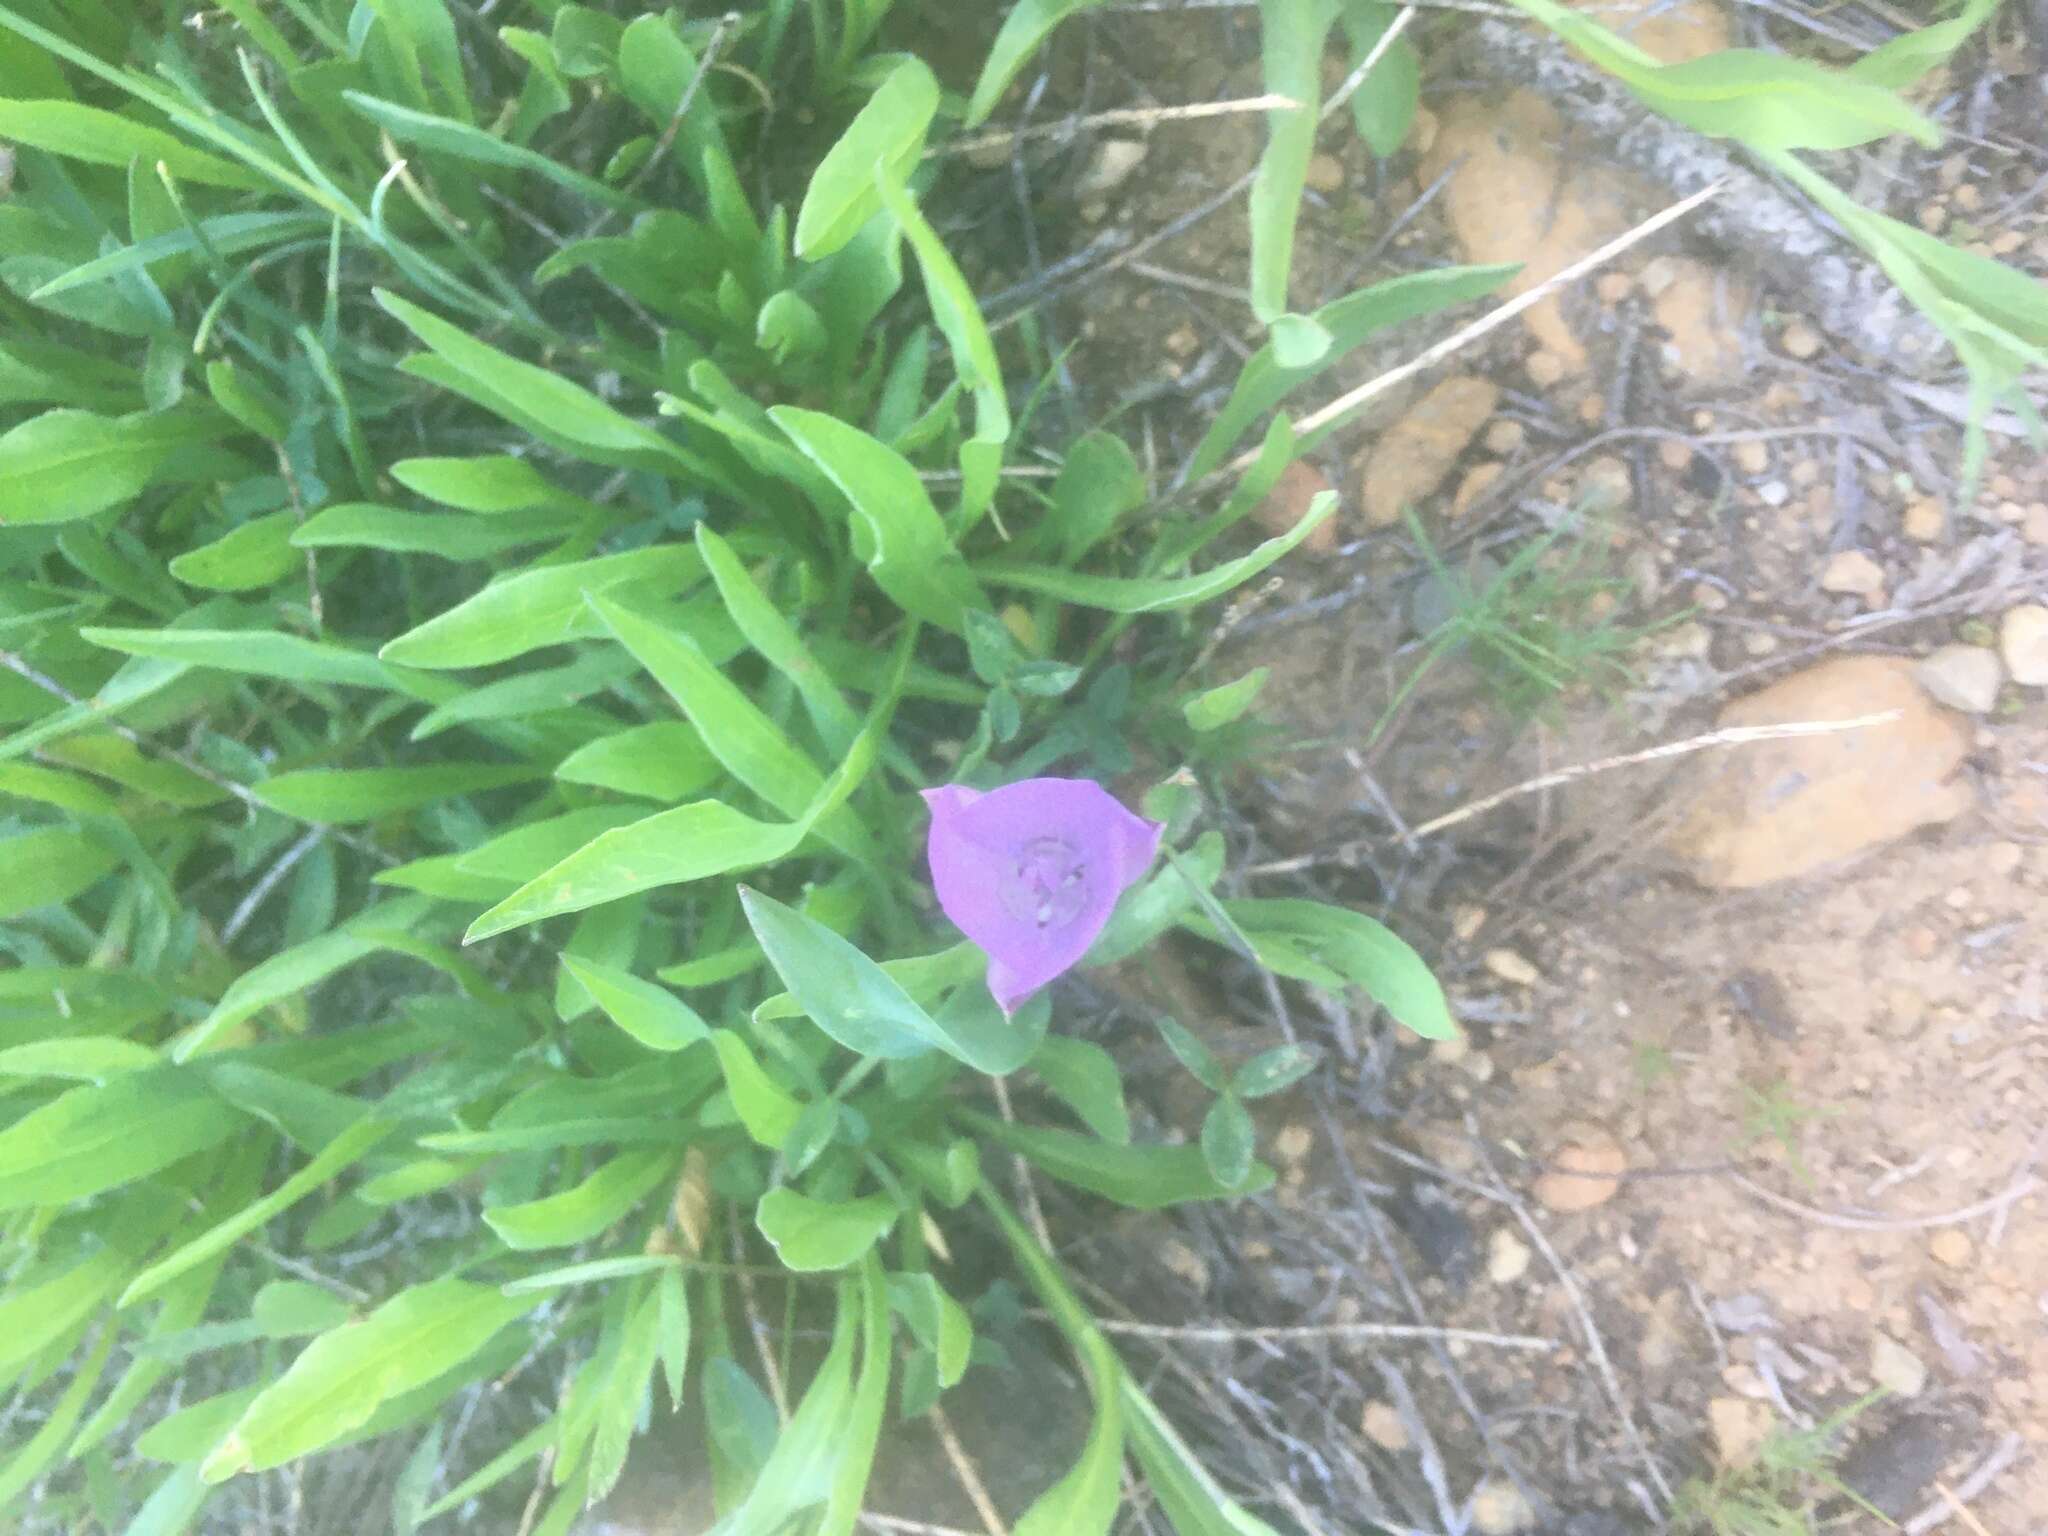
{"x":1507,"y":1257}
{"x":2023,"y":642}
{"x":1505,"y":436}
{"x":1896,"y":1368}
{"x":1115,"y":160}
{"x":1382,"y":1425}
{"x":1774,"y":493}
{"x":1800,"y":340}
{"x":1544,"y":369}
{"x":1951,"y":1246}
{"x":1325,"y":174}
{"x":1752,"y":457}
{"x":1924,"y":520}
{"x":1512,"y":968}
{"x":1498,"y":1509}
{"x":1964,"y":677}
{"x":1852,"y":571}
{"x":1582,"y":1174}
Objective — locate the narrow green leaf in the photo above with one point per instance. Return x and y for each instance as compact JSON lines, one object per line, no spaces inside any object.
{"x":591,"y":1270}
{"x":363,"y":794}
{"x":767,"y":1110}
{"x":98,"y":137}
{"x":585,"y":1211}
{"x":342,"y":1152}
{"x":845,"y":993}
{"x":1028,"y":25}
{"x":104,"y":1135}
{"x":654,"y":1016}
{"x":1145,"y":1177}
{"x":1768,"y":101}
{"x":445,"y":136}
{"x":776,"y":639}
{"x":551,"y":406}
{"x":663,"y":760}
{"x":46,"y":866}
{"x":1227,"y":1140}
{"x":1155,"y":594}
{"x":1217,"y":707}
{"x":364,"y":525}
{"x":1363,"y":952}
{"x":67,"y":464}
{"x":541,"y":607}
{"x":1292,"y":34}
{"x":1264,"y":382}
{"x":343,"y":1376}
{"x":751,"y":746}
{"x":898,"y":533}
{"x":888,"y":133}
{"x":247,"y":559}
{"x":262,"y":653}
{"x":491,"y":484}
{"x":1084,"y":1077}
{"x":811,"y":1235}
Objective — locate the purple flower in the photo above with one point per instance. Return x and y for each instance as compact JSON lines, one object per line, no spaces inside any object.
{"x":1031,"y":872}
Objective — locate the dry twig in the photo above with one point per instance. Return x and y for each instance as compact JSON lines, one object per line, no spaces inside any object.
{"x":1115,"y":117}
{"x":1492,"y":320}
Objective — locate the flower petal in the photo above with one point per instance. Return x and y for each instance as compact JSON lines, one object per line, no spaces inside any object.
{"x":980,"y":844}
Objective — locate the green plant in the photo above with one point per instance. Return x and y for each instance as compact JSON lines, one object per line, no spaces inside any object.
{"x":1770,"y":1113}
{"x":455,"y":530}
{"x":1777,"y":1491}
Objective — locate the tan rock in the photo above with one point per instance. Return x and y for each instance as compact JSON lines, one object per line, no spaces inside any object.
{"x":1853,"y":572}
{"x":2034,"y":526}
{"x":1965,"y":677}
{"x":1607,"y":484}
{"x":1510,"y":201}
{"x":1506,"y":436}
{"x":1704,"y":312}
{"x":1288,"y":502}
{"x":1773,"y":810}
{"x":1325,"y":174}
{"x":1740,"y":1428}
{"x":1671,"y":34}
{"x":1383,"y":1426}
{"x":1752,"y":456}
{"x":1951,"y":1246}
{"x":1111,"y":167}
{"x":1412,"y":456}
{"x":2023,"y":642}
{"x":1585,"y":1172}
{"x":1896,"y":1368}
{"x":1924,"y":520}
{"x":1512,"y":968}
{"x":1499,"y":1509}
{"x":1477,"y":481}
{"x":1507,"y":1257}
{"x":1545,"y":367}
{"x":1800,"y":340}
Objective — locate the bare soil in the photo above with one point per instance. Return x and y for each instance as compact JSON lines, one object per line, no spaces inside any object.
{"x":1828,"y":1093}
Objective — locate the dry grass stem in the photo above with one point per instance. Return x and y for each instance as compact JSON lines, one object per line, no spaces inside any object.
{"x":968,"y":1474}
{"x":1732,"y":736}
{"x":1371,"y":389}
{"x":1114,"y":118}
{"x":2012,"y":1194}
{"x":1310,"y":1332}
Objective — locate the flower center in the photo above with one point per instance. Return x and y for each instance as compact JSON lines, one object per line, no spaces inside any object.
{"x":1047,"y":884}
